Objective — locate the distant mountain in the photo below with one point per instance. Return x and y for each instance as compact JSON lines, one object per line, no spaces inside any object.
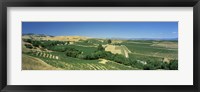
{"x":55,"y":38}
{"x":32,"y":34}
{"x":171,"y":39}
{"x":83,"y":37}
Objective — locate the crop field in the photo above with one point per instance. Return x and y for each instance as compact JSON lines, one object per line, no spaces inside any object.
{"x":153,"y":48}
{"x":69,"y":63}
{"x":98,"y":54}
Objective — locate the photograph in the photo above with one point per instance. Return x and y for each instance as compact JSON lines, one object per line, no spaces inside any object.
{"x":100,"y":45}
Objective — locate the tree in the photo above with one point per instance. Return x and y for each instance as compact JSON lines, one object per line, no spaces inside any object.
{"x":29,"y":46}
{"x":109,"y":41}
{"x":173,"y":65}
{"x":149,"y":67}
{"x":71,"y":52}
{"x":100,"y":47}
{"x":81,"y":56}
{"x":36,"y":43}
{"x":29,"y":40}
{"x":68,"y":42}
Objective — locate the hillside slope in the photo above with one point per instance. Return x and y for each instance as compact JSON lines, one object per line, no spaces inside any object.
{"x":32,"y":63}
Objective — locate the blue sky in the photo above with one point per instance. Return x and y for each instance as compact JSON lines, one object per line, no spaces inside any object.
{"x":104,"y":29}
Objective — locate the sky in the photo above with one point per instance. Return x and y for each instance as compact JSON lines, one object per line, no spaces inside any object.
{"x":104,"y":29}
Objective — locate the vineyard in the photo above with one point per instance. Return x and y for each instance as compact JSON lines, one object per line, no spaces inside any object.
{"x":69,"y":63}
{"x":68,"y":53}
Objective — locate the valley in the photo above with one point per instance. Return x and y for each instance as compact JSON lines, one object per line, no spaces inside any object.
{"x":43,"y":52}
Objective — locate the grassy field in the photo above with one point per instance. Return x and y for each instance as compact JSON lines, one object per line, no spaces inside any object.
{"x":97,"y":54}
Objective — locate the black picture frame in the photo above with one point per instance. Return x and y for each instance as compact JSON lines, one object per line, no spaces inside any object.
{"x":99,"y":3}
